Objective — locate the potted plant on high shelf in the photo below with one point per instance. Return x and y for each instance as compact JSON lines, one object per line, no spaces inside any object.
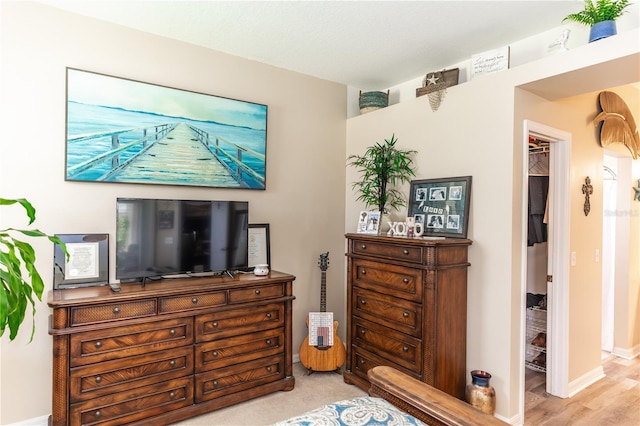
{"x":600,"y":16}
{"x":382,"y":167}
{"x":16,"y":256}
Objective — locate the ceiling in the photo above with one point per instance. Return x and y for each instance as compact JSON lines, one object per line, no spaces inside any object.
{"x":370,"y":45}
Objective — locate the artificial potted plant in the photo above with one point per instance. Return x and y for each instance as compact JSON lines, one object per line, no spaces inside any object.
{"x":600,"y":16}
{"x":16,"y":256}
{"x":381,"y":168}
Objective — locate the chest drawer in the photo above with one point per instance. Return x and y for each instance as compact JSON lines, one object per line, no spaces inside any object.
{"x":112,"y":343}
{"x":399,"y":281}
{"x":193,"y":301}
{"x":251,"y":294}
{"x":234,"y":350}
{"x":362,"y":361}
{"x":134,"y":404}
{"x":396,"y":347}
{"x":399,"y":314}
{"x":112,"y":312}
{"x":225,"y":324}
{"x":390,"y":251}
{"x":91,"y":381}
{"x":236,"y":378}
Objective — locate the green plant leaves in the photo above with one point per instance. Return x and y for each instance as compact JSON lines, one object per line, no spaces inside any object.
{"x":602,"y":10}
{"x":381,"y":167}
{"x":17,"y":257}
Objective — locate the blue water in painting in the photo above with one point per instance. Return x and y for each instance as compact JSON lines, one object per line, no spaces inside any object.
{"x":83,"y":119}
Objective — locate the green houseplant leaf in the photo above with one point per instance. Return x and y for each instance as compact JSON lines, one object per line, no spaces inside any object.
{"x":16,"y":258}
{"x":600,"y":11}
{"x":381,"y":168}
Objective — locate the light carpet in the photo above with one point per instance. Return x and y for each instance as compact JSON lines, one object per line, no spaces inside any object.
{"x":310,"y":392}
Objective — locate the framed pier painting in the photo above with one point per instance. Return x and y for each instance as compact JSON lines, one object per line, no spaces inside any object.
{"x":121,"y":130}
{"x":441,"y":205}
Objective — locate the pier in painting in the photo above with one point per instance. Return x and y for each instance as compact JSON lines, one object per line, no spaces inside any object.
{"x":169,"y":153}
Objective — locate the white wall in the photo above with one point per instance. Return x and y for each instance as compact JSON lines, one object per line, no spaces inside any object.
{"x":303,"y":202}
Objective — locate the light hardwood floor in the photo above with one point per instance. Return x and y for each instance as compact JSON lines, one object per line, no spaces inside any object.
{"x":613,"y":400}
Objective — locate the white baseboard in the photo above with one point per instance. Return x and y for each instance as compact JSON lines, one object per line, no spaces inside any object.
{"x":36,"y":421}
{"x":586,"y":380}
{"x":627,"y":353}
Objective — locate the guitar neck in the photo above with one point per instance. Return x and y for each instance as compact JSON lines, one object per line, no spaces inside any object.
{"x":323,"y":292}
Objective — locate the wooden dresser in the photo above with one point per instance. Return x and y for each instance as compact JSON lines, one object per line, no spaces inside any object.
{"x":407,"y":308}
{"x":170,"y":350}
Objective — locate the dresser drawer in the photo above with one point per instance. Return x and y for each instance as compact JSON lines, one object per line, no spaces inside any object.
{"x":397,"y":347}
{"x":388,"y":251}
{"x":395,"y":280}
{"x":234,"y":350}
{"x":133,"y":405}
{"x":225,"y":381}
{"x":112,"y":312}
{"x":252,"y":294}
{"x":91,"y":381}
{"x":399,"y":314}
{"x":112,"y":343}
{"x":193,"y":301}
{"x":363,"y":361}
{"x":225,"y":324}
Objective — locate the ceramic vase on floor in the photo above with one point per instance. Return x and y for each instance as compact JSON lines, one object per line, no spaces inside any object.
{"x":480,"y":393}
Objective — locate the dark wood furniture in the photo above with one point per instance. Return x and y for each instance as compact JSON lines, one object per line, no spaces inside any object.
{"x":407,"y":308}
{"x":425,"y":402}
{"x":170,"y":350}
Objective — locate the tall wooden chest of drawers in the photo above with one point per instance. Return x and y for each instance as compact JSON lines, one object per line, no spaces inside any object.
{"x":407,"y":308}
{"x":169,"y":350}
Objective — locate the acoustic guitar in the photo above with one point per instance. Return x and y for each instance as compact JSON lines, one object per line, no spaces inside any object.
{"x":323,"y":357}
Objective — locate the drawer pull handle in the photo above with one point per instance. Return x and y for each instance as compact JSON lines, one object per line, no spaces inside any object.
{"x":98,"y":345}
{"x":362,"y":361}
{"x":405,"y":280}
{"x":405,"y":251}
{"x":98,"y":379}
{"x":194,"y":300}
{"x":116,"y":310}
{"x":172,"y":395}
{"x":405,"y":314}
{"x":269,"y":315}
{"x":97,"y":414}
{"x":215,"y":383}
{"x":215,"y":324}
{"x":362,"y":331}
{"x":172,"y":332}
{"x":269,"y":369}
{"x":268,"y":341}
{"x":364,"y":246}
{"x":172,"y":363}
{"x":257,"y":291}
{"x":215,"y":353}
{"x":363,"y":272}
{"x":405,"y":349}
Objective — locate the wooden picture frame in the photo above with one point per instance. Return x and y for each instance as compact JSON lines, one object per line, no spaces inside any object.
{"x":444,"y":202}
{"x":88,"y":262}
{"x":259,"y":245}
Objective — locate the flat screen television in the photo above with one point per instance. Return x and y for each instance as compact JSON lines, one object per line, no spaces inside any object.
{"x":173,"y":238}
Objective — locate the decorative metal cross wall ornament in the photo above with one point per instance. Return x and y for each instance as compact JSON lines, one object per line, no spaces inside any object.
{"x":587,"y":190}
{"x":636,"y":196}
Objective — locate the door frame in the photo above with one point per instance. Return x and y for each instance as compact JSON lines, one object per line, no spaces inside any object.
{"x":558,"y":232}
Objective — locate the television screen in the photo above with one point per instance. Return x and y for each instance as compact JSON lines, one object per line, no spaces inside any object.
{"x":160,"y":238}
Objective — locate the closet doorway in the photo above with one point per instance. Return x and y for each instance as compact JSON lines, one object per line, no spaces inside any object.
{"x":544,"y":343}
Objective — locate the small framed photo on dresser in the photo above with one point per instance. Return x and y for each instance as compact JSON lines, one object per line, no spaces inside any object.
{"x":368,"y":222}
{"x":87,"y":264}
